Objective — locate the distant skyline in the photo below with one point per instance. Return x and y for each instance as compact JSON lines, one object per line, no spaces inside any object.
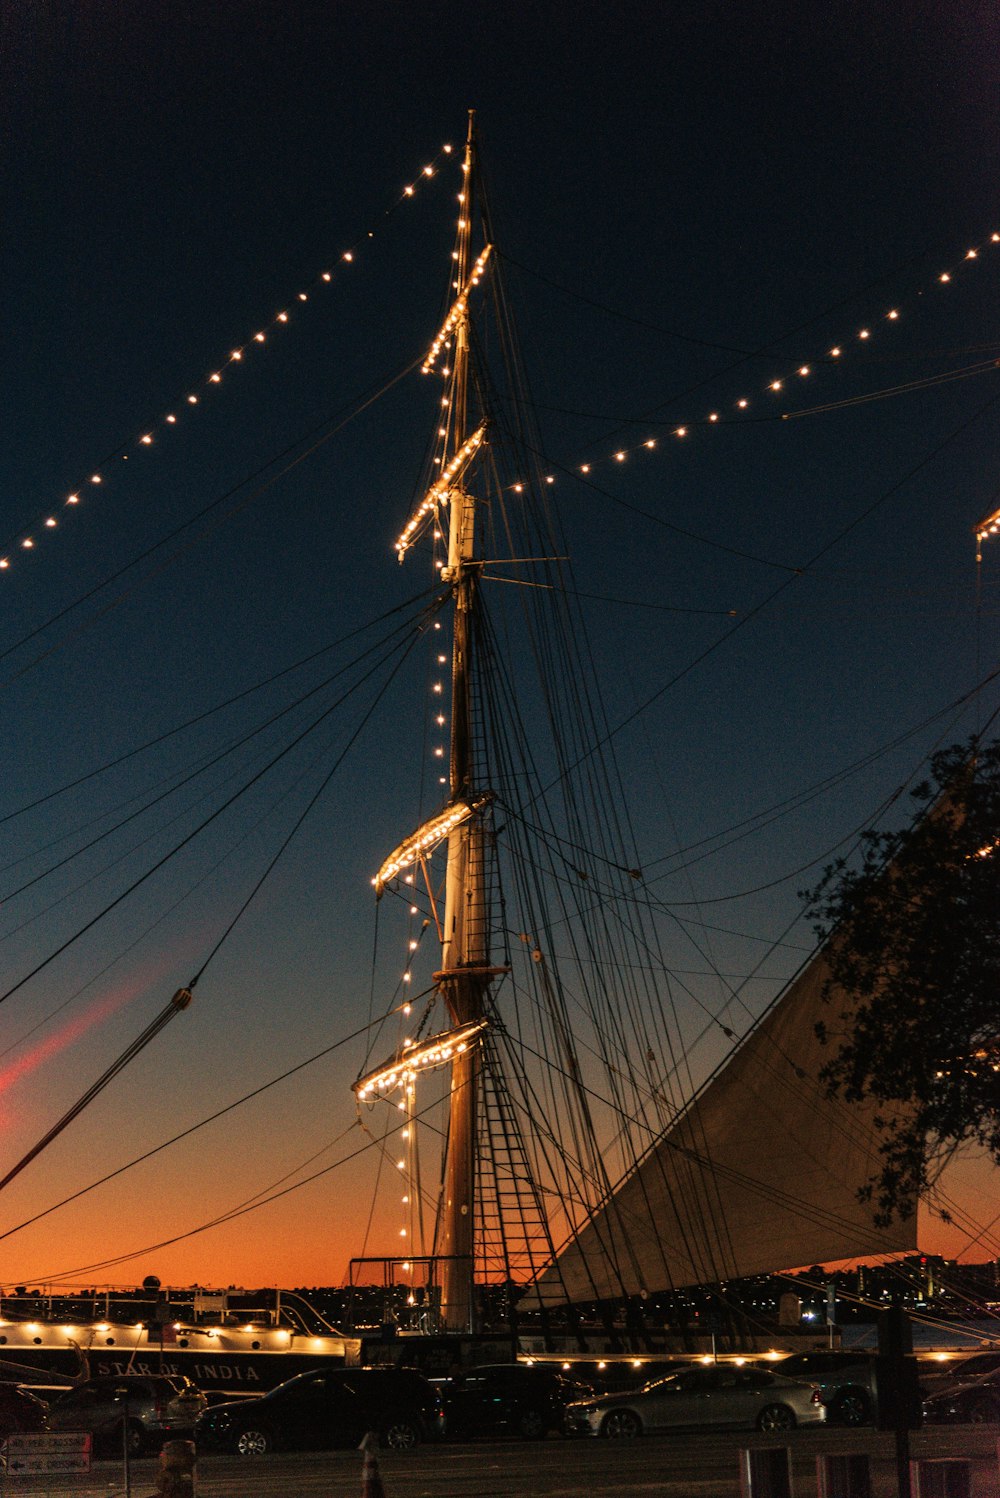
{"x":688,"y":210}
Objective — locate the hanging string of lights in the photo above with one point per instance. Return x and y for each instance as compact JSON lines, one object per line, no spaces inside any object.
{"x":742,"y":405}
{"x":49,"y":520}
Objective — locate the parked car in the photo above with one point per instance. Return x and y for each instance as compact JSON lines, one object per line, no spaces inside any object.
{"x":509,"y":1399}
{"x":20,"y":1410}
{"x":723,"y":1395}
{"x":846,"y":1382}
{"x":329,"y":1407}
{"x":143,"y":1409}
{"x":965,"y":1401}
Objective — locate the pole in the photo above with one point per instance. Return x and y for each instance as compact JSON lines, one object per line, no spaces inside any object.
{"x":462,"y":980}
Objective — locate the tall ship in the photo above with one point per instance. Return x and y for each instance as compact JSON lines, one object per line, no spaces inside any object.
{"x":567,"y":1135}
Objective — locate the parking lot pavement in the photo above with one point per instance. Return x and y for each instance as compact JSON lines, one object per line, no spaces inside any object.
{"x":679,"y":1466}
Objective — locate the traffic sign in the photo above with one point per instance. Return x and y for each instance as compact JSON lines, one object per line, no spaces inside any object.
{"x":46,"y":1451}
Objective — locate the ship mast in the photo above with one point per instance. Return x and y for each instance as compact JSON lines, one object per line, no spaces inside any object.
{"x":464,"y":975}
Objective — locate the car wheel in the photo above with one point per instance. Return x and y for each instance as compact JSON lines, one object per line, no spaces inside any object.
{"x":532,"y":1425}
{"x":253,"y":1441}
{"x":983,"y":1412}
{"x":621,"y":1425}
{"x":401,"y":1435}
{"x":851,"y":1407}
{"x":776,"y":1417}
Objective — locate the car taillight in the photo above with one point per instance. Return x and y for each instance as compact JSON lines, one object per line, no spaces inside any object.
{"x":816,"y":1397}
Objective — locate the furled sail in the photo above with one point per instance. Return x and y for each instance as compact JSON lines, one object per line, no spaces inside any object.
{"x":760,"y":1173}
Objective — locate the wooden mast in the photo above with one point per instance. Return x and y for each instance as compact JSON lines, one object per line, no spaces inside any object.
{"x":464,"y":976}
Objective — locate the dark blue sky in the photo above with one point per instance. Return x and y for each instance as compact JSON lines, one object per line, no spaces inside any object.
{"x":690,"y":205}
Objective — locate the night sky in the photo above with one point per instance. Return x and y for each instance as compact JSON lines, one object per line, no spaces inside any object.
{"x":690,"y":203}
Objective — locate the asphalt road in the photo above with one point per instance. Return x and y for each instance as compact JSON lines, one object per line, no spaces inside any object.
{"x":683,"y":1466}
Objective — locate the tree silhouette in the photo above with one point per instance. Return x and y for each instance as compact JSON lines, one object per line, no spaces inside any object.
{"x":914,"y":942}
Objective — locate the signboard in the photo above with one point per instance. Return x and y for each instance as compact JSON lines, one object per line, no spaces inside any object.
{"x":48,"y":1451}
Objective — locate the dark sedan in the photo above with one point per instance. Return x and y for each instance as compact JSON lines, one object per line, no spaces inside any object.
{"x":509,"y":1399}
{"x":329,"y":1407}
{"x":966,"y":1401}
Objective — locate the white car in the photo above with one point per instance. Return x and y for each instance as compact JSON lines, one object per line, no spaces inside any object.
{"x":696,"y":1398}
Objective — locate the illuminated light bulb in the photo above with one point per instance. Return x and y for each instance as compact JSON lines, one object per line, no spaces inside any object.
{"x":775,"y":385}
{"x":50,"y":522}
{"x":804,"y":370}
{"x":428,"y":171}
{"x":681,"y":432}
{"x":282,"y":316}
{"x":445,"y":402}
{"x":713,"y":415}
{"x":413,"y":946}
{"x":402,"y":1232}
{"x":413,"y":910}
{"x":995,"y":238}
{"x":454,"y":256}
{"x":440,"y":720}
{"x":442,"y":431}
{"x":892,"y":315}
{"x":584,"y":467}
{"x":258,"y":338}
{"x":348,"y":256}
{"x":172,"y":419}
{"x":835,"y":353}
{"x":408,"y":191}
{"x":27,"y":543}
{"x":406,"y":1133}
{"x":146,"y":439}
{"x":95,"y":478}
{"x":303,"y":297}
{"x":442,"y":660}
{"x":236,"y":354}
{"x":743,"y":404}
{"x":437,"y":686}
{"x":192,"y":400}
{"x":972,"y":255}
{"x":439,"y":753}
{"x":518,"y":488}
{"x":944,"y":276}
{"x":406,"y":1008}
{"x":462,"y":224}
{"x":549,"y":479}
{"x":73,"y":499}
{"x":406,"y":977}
{"x":327,"y":276}
{"x":442,"y":780}
{"x":4,"y":564}
{"x":864,"y":333}
{"x":619,"y":457}
{"x":437,"y":623}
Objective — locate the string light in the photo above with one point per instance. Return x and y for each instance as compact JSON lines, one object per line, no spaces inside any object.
{"x":458,"y":309}
{"x":775,"y":386}
{"x":414,"y":1057}
{"x":440,"y":491}
{"x":235,"y":356}
{"x":425,"y":839}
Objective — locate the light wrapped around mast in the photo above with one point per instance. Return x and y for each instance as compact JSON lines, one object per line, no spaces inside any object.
{"x":426,"y":838}
{"x":440,"y":492}
{"x":419,"y":1056}
{"x":458,"y":311}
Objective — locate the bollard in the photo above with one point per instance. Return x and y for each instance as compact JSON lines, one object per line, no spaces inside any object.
{"x":941,"y":1477}
{"x":766,"y":1472}
{"x":843,"y":1475}
{"x":175,"y":1478}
